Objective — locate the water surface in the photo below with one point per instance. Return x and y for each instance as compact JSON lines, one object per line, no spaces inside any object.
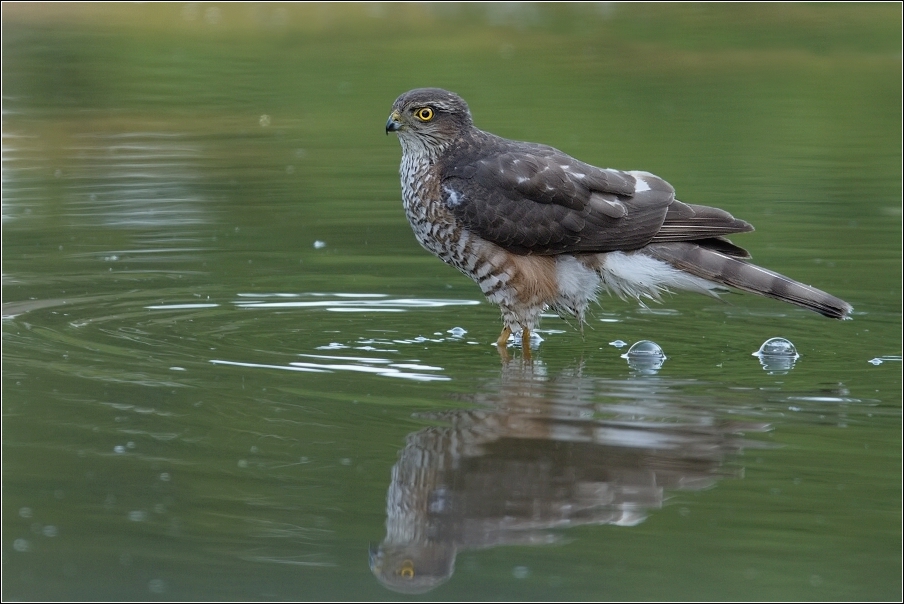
{"x":229,"y":371}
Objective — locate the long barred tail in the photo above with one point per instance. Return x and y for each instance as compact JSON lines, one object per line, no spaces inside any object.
{"x":726,"y":270}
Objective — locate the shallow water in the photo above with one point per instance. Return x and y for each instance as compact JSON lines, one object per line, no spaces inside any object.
{"x":229,"y":371}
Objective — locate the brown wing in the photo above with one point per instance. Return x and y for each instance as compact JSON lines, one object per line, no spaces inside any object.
{"x":534,"y":199}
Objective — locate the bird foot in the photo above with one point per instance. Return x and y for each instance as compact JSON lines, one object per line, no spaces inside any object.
{"x":502,"y":342}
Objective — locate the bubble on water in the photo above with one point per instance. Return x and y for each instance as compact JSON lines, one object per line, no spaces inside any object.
{"x":457,"y":332}
{"x":164,"y":476}
{"x":777,"y":347}
{"x":618,"y":343}
{"x":138,"y":515}
{"x":21,"y":545}
{"x":157,"y":586}
{"x":521,"y":572}
{"x":319,"y":245}
{"x":645,"y":356}
{"x":119,"y":449}
{"x":777,"y":355}
{"x":25,"y":512}
{"x":49,"y":531}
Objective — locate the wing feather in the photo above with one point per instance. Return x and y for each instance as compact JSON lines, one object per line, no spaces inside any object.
{"x":534,"y":199}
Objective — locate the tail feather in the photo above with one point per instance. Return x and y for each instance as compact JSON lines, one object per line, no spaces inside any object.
{"x":725,"y":270}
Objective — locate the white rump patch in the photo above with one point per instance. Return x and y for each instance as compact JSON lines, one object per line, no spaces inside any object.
{"x":578,"y":285}
{"x":634,"y":275}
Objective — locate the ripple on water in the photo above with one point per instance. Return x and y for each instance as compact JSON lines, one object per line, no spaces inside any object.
{"x":337,"y":302}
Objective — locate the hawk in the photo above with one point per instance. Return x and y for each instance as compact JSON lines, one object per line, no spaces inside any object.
{"x":538,"y":229}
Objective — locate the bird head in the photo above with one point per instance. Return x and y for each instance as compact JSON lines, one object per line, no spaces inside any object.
{"x":428,"y":119}
{"x":413,"y":568}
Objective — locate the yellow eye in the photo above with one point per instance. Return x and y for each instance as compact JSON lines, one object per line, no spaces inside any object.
{"x":407,"y":570}
{"x":425,"y":114}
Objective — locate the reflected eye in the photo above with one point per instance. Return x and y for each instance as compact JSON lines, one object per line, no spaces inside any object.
{"x":407,"y":570}
{"x":425,"y":114}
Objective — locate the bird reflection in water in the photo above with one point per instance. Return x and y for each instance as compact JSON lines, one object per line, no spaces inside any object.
{"x":542,"y":453}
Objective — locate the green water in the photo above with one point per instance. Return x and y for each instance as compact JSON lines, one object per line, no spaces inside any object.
{"x":224,"y":352}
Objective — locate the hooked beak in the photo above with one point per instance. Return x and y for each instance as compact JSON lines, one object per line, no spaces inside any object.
{"x":393,"y":124}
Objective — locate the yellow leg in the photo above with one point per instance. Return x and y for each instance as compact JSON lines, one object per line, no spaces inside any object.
{"x":503,"y":337}
{"x":525,"y":344}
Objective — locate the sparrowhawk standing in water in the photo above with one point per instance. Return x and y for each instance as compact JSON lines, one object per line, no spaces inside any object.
{"x":538,"y":229}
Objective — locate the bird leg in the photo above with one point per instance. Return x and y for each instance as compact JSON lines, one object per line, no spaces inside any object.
{"x":525,"y":343}
{"x":504,"y":336}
